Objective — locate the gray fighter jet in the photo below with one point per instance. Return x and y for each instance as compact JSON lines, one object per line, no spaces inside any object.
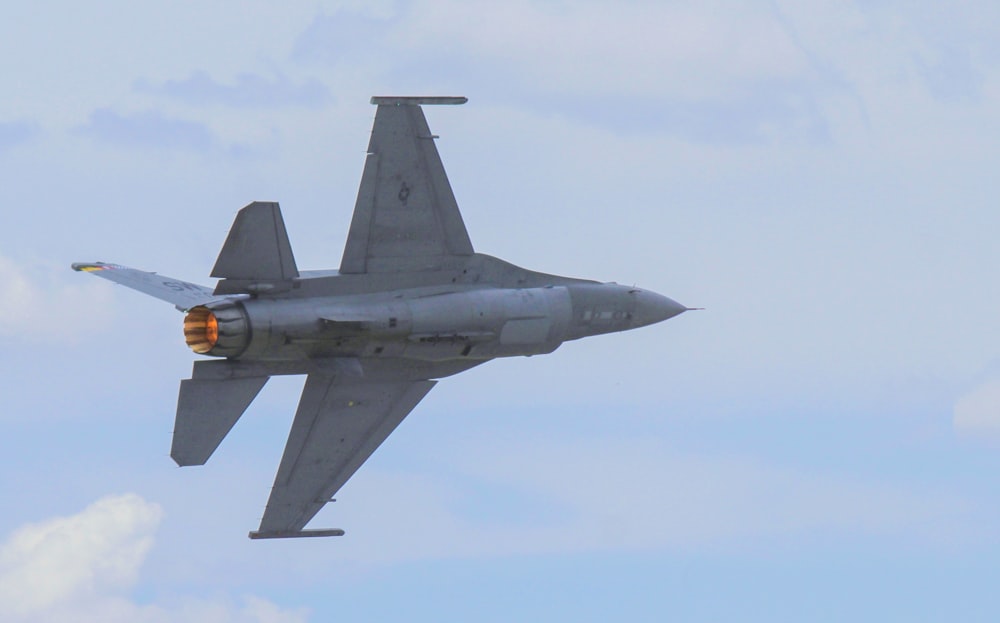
{"x":411,"y":303}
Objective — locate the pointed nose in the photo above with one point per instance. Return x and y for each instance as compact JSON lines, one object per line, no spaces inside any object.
{"x":651,"y":308}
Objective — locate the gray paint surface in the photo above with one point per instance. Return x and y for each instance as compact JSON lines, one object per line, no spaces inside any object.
{"x":411,"y":303}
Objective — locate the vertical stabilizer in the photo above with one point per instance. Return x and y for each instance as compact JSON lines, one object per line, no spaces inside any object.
{"x":406,"y":217}
{"x":257,"y":248}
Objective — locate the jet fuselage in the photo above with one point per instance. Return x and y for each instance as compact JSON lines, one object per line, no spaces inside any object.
{"x":427,"y":324}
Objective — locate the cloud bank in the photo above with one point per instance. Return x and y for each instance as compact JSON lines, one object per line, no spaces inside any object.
{"x":84,"y":561}
{"x":149,"y":129}
{"x":80,"y":569}
{"x":16,"y":132}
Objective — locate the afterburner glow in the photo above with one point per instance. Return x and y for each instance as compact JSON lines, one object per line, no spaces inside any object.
{"x":201,"y":329}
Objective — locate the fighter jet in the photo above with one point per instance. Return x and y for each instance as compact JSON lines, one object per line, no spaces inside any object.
{"x":411,"y":303}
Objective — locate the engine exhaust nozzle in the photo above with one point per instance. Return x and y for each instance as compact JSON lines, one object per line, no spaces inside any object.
{"x":201,"y":329}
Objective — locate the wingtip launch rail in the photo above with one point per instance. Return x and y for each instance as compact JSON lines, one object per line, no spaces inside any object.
{"x":294,"y":534}
{"x":394,"y":100}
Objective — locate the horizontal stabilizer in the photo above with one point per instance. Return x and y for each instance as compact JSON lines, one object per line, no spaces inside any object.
{"x":294,"y":534}
{"x":207,"y":409}
{"x":257,"y":248}
{"x":182,"y":294}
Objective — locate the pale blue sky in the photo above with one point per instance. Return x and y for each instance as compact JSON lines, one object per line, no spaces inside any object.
{"x":821,"y":444}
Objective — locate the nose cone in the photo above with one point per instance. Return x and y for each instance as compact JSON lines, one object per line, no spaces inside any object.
{"x":651,"y":308}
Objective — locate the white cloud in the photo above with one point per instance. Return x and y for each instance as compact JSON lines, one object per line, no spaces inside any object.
{"x":978,"y":412}
{"x":263,"y":611}
{"x":48,"y":565}
{"x":80,"y":568}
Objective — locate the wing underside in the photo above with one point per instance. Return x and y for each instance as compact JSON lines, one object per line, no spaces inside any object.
{"x":338,"y":424}
{"x":406,"y":217}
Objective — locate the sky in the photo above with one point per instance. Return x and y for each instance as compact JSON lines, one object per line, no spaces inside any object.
{"x":821,"y":443}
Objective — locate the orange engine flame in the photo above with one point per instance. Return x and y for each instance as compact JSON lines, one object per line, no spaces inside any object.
{"x":201,"y":329}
